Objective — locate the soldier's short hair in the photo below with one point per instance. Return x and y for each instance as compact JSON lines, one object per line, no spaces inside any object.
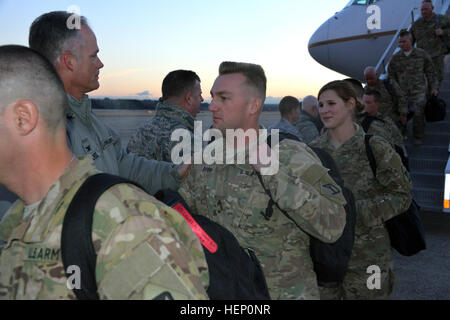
{"x":344,"y":90}
{"x":405,"y":33}
{"x":287,"y":104}
{"x":374,"y":93}
{"x":178,"y":82}
{"x":254,"y":73}
{"x":51,"y":36}
{"x":26,"y":74}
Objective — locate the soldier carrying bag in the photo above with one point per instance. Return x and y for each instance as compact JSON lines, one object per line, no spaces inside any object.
{"x":368,"y":119}
{"x":330,"y":260}
{"x":77,"y":248}
{"x":234,"y":273}
{"x":405,"y":230}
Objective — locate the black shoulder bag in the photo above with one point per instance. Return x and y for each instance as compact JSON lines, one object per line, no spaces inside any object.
{"x":405,"y":230}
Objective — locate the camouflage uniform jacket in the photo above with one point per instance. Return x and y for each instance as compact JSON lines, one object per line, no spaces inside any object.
{"x":305,"y":124}
{"x":410,"y":72}
{"x":153,"y":141}
{"x":387,"y":102}
{"x":232,"y":196}
{"x":143,"y":247}
{"x":386,"y":129}
{"x":88,"y":135}
{"x":423,"y":31}
{"x":377,"y":199}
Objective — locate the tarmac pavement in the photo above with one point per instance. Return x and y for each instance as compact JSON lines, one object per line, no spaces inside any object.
{"x":426,"y":276}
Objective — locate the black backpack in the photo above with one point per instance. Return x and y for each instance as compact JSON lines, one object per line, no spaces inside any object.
{"x":406,"y":231}
{"x":234,"y":274}
{"x":330,"y":259}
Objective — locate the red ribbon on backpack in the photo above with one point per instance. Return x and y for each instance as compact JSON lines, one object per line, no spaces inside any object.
{"x":204,"y":238}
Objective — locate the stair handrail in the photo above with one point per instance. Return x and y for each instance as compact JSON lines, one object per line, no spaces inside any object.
{"x":390,"y":48}
{"x":441,"y":6}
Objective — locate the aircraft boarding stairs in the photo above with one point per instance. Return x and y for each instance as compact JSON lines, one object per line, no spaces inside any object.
{"x":429,"y":162}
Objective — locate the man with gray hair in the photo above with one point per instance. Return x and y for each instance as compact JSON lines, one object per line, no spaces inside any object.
{"x":308,"y":122}
{"x":289,"y":111}
{"x":74,"y":54}
{"x":143,"y":248}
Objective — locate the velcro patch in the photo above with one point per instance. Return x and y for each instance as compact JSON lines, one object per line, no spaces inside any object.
{"x":314,"y":173}
{"x":141,"y":268}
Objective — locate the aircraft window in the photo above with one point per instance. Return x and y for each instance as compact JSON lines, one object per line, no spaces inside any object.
{"x":361,"y":2}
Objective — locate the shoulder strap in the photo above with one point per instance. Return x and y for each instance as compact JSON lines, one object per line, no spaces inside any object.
{"x":388,"y":86}
{"x":281,"y":136}
{"x":77,"y":248}
{"x":329,"y":163}
{"x":390,"y":89}
{"x":269,"y":209}
{"x":326,"y":160}
{"x":365,"y":124}
{"x":370,"y":155}
{"x":368,"y":119}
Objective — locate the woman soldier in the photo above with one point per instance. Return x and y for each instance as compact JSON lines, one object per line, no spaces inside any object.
{"x":370,"y":272}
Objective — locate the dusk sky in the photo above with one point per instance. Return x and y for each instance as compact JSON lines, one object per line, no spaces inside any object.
{"x":141,"y":41}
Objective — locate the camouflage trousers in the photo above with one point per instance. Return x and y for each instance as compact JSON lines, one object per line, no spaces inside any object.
{"x":438,"y":63}
{"x":359,"y":284}
{"x":417,"y":103}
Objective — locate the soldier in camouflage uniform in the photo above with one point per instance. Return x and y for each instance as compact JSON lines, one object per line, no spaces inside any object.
{"x":431,"y":32}
{"x":383,"y":126}
{"x":413,"y":70}
{"x":377,"y":198}
{"x":232,"y":195}
{"x":143,"y":247}
{"x":73,"y":53}
{"x":182,"y":96}
{"x":392,"y":104}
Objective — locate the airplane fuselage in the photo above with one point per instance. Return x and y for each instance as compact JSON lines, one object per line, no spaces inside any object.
{"x":358,"y":35}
